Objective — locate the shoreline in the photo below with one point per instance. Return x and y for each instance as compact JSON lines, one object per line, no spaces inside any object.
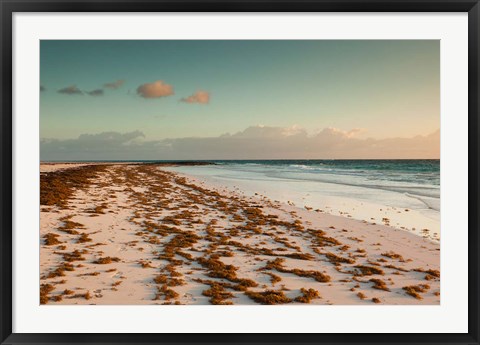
{"x":424,"y":223}
{"x":139,"y":234}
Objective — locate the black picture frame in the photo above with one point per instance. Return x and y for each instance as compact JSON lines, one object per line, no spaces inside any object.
{"x":9,"y":7}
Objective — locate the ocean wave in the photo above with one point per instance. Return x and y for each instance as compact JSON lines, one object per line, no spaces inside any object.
{"x":432,"y":203}
{"x":301,"y":166}
{"x":410,"y":177}
{"x":423,"y":189}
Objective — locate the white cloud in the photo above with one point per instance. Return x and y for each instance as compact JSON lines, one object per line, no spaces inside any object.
{"x":201,"y":97}
{"x":156,"y":89}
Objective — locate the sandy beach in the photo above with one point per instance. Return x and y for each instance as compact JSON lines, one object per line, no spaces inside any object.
{"x":146,"y":234}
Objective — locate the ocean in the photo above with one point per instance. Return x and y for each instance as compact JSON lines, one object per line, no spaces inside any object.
{"x":416,"y":177}
{"x":363,"y":188}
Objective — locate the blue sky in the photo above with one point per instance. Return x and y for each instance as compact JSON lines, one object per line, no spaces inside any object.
{"x":382,"y":89}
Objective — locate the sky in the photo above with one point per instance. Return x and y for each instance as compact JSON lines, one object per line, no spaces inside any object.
{"x":239,"y":99}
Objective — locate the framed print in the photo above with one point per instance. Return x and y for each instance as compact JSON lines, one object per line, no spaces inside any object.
{"x":254,"y":172}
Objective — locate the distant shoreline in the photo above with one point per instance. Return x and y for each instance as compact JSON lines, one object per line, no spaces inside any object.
{"x":214,"y":161}
{"x":163,"y":163}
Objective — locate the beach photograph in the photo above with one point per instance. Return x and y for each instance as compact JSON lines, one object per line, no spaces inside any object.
{"x":239,"y":172}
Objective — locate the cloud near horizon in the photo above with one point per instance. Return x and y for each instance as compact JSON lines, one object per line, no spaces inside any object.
{"x":71,"y":90}
{"x":114,"y":84}
{"x":201,"y":97}
{"x":156,"y":89}
{"x":256,"y":142}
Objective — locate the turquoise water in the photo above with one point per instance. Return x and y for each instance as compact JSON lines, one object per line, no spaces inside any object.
{"x":415,"y":177}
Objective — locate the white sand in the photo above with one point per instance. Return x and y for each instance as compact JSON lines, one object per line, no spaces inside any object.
{"x":49,"y":167}
{"x":133,"y":196}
